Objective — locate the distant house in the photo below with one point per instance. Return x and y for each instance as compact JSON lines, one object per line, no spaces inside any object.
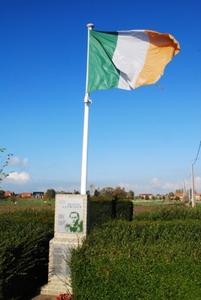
{"x":9,"y":193}
{"x":179,"y":195}
{"x":197,"y":196}
{"x":38,"y":194}
{"x":26,"y":195}
{"x":146,"y":195}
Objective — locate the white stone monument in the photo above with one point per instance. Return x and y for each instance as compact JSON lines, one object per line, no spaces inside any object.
{"x":70,"y":229}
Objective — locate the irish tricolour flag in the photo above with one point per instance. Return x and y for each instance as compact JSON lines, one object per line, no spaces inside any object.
{"x":128,"y":59}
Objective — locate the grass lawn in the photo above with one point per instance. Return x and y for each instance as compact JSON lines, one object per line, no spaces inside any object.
{"x":27,"y":202}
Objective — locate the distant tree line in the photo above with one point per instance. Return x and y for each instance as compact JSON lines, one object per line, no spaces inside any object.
{"x":110,"y":193}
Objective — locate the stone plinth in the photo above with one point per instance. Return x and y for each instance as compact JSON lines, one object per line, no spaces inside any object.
{"x":70,"y":229}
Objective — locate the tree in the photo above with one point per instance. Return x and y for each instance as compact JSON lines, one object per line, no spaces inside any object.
{"x":107,"y":191}
{"x":119,"y":192}
{"x":130,"y":194}
{"x":76,"y":192}
{"x":96,"y":192}
{"x":2,"y":194}
{"x":179,"y":191}
{"x":4,"y":161}
{"x":12,"y":199}
{"x":63,"y":192}
{"x":50,"y":194}
{"x":171,"y":196}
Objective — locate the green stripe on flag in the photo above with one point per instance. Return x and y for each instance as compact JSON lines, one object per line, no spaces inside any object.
{"x":102,"y":73}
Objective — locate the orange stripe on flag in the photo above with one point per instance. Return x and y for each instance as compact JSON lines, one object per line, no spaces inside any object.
{"x":160,"y":52}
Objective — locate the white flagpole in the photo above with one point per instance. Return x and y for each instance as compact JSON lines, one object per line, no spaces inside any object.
{"x":87,"y":102}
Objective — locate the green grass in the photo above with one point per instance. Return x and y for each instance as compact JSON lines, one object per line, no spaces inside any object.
{"x":151,"y":203}
{"x":28,"y":202}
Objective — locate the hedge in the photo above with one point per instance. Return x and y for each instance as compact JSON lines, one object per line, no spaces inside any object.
{"x":149,"y":260}
{"x":24,"y":251}
{"x":102,"y":211}
{"x":172,"y":212}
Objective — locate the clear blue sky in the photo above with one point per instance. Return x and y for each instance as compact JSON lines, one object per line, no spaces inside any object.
{"x":143,"y":139}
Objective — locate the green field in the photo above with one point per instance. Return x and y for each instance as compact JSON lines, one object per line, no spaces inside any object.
{"x":28,"y":202}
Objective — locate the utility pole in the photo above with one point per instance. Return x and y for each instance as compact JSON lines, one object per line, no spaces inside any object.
{"x":192,"y":187}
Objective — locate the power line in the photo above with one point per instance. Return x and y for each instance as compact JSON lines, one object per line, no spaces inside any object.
{"x":197,"y":154}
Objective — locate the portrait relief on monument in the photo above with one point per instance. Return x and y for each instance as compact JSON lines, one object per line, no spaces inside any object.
{"x":69,"y":215}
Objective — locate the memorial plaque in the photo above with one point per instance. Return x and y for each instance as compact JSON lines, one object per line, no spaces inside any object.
{"x":60,"y":257}
{"x":69,"y":217}
{"x":70,"y":229}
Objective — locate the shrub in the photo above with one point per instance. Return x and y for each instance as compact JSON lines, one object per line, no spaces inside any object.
{"x":24,"y":251}
{"x":147,"y":259}
{"x":173,"y":212}
{"x":104,"y":210}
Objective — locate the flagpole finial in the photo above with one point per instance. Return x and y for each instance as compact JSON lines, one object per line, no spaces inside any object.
{"x":90,"y":26}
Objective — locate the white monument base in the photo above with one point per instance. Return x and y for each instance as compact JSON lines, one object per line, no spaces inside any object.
{"x":70,"y":231}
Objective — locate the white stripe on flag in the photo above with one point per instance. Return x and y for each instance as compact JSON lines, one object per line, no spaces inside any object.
{"x":134,"y":46}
